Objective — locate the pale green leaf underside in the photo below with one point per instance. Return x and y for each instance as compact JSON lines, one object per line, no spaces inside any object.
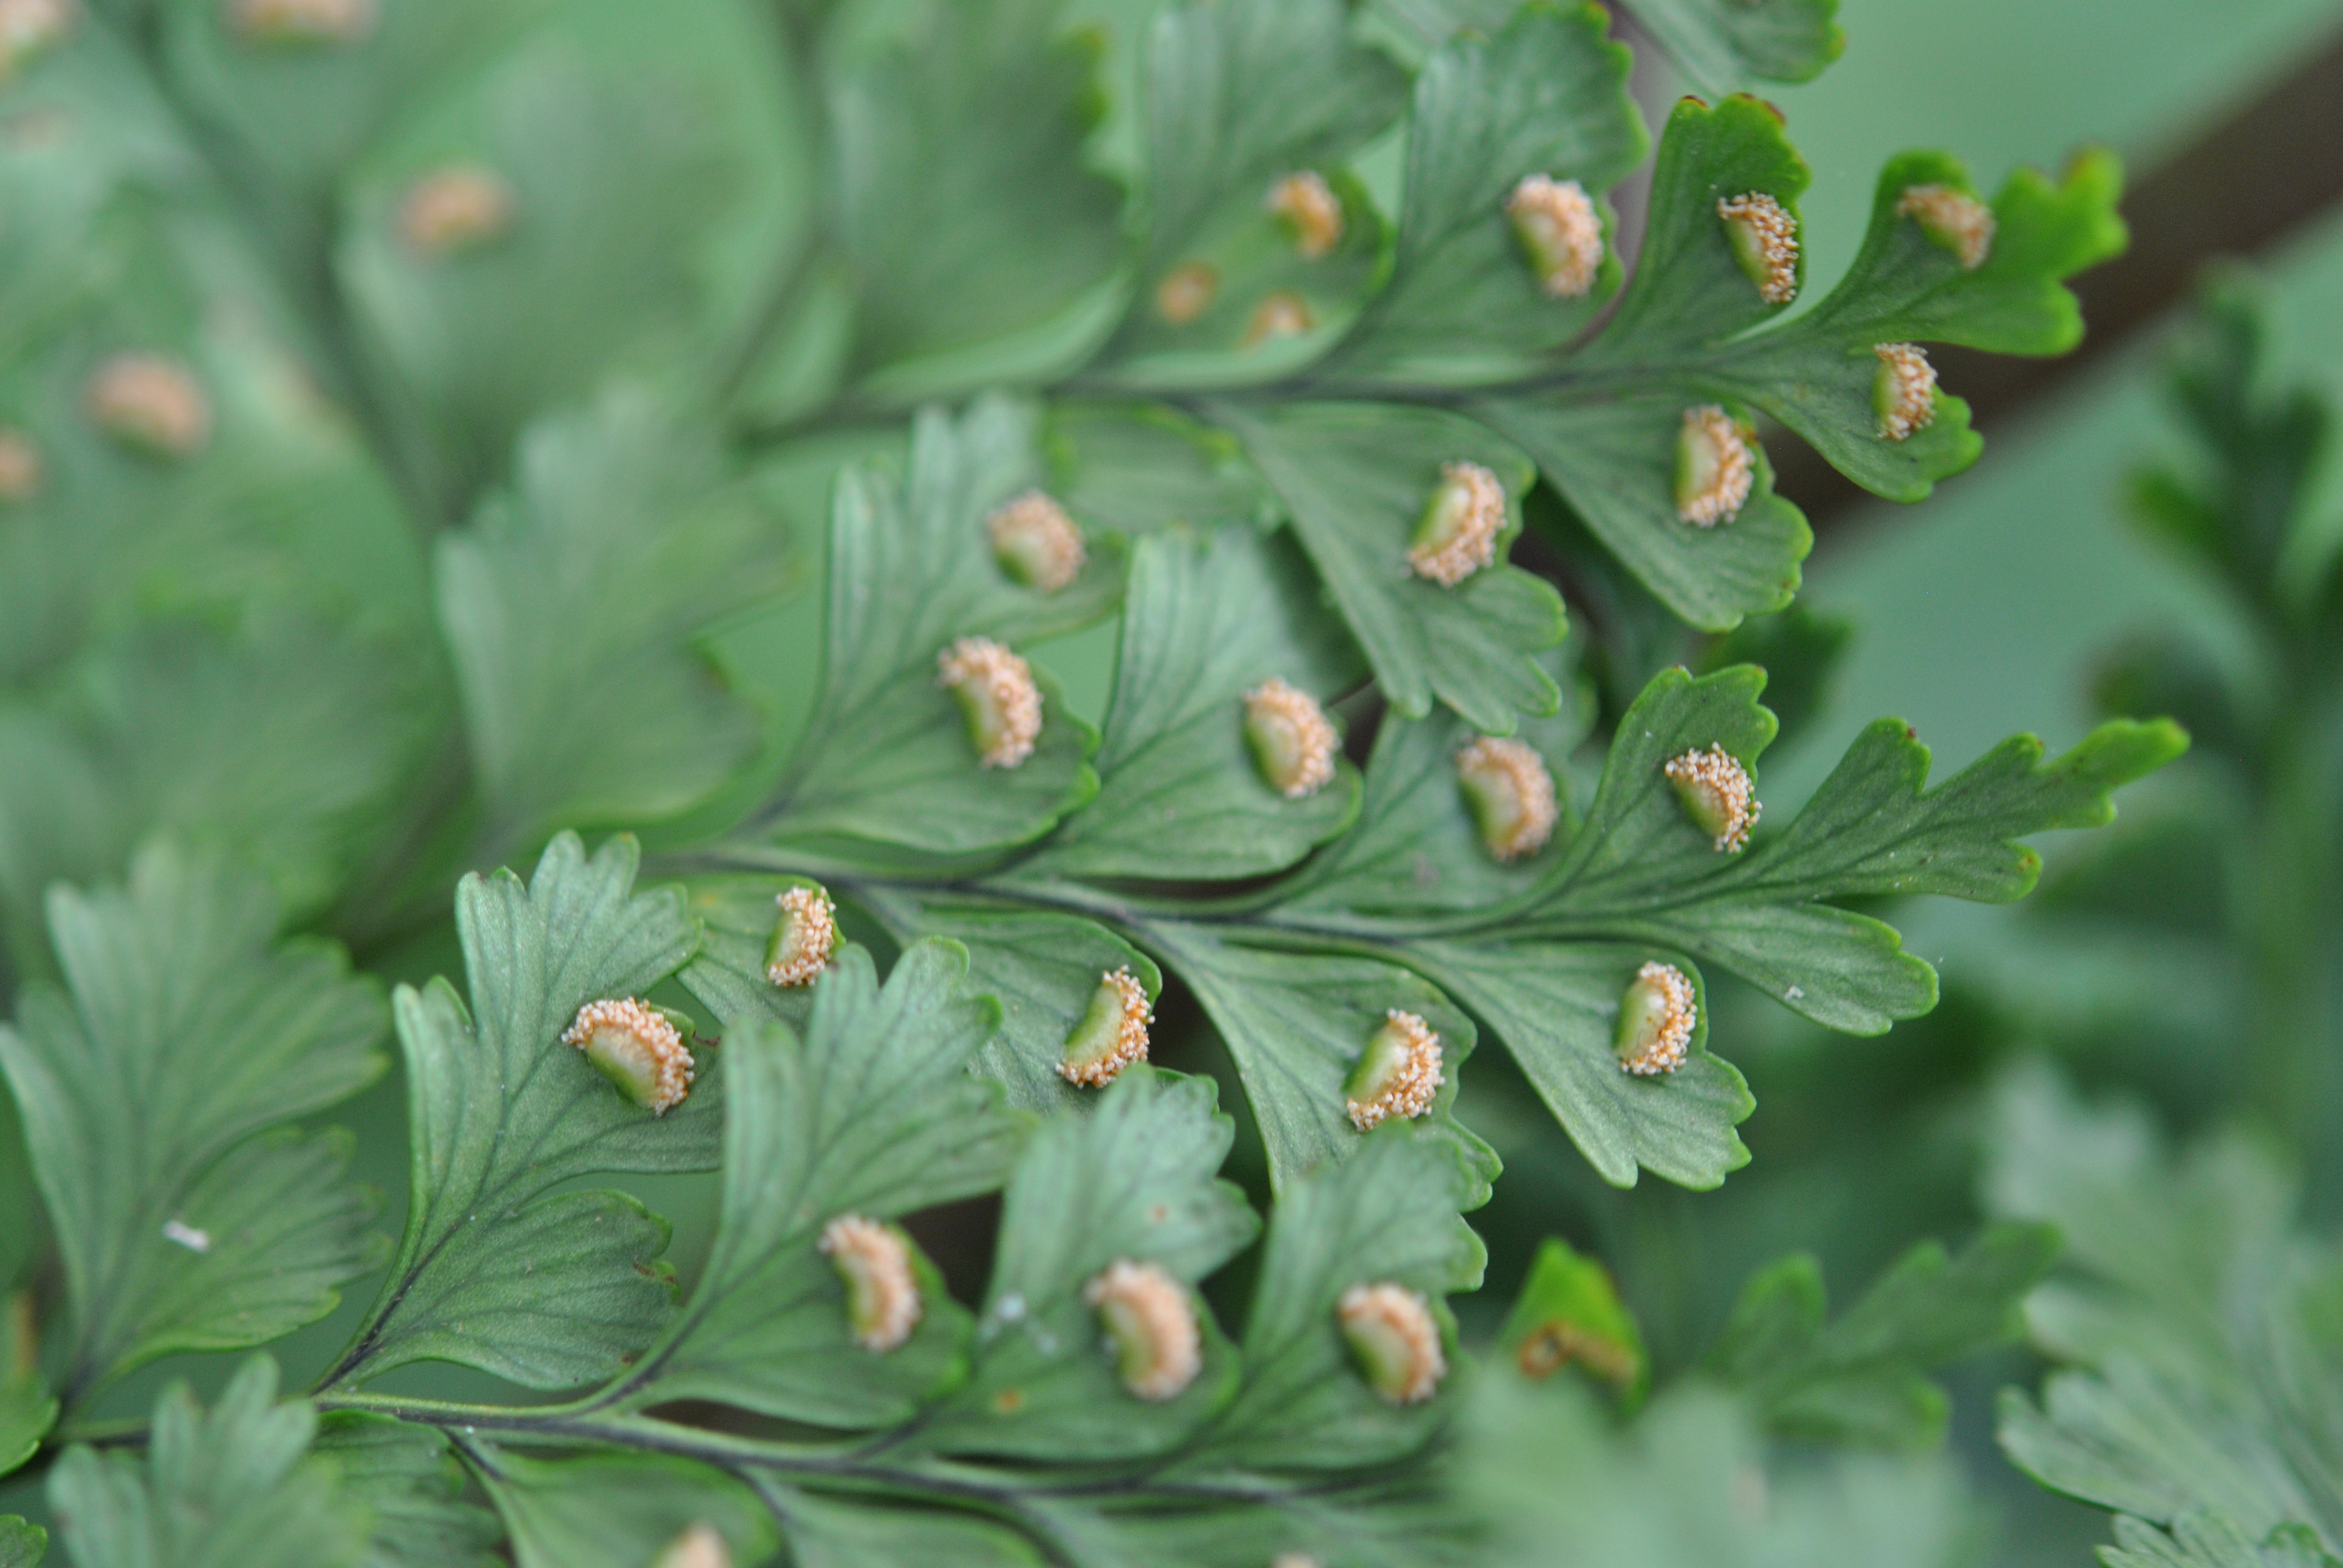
{"x":231,"y":1487}
{"x":2198,"y":1327}
{"x":148,"y":1089}
{"x":1355,"y":479}
{"x":1179,"y":798}
{"x":1132,"y":1181}
{"x":618,"y":1510}
{"x":548,"y":1292}
{"x":1297,"y":1023}
{"x":871,"y":1113}
{"x":1556,"y":1006}
{"x":405,"y":1475}
{"x":20,"y":1544}
{"x":1642,"y":867}
{"x":1043,"y":969}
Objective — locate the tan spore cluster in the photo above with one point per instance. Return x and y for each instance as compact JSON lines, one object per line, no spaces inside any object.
{"x":1657,"y":1018}
{"x":805,"y":937}
{"x":302,"y":20}
{"x":1281,"y":314}
{"x":636,"y":1047}
{"x":1511,"y":793}
{"x":997,"y":694}
{"x":453,"y":209}
{"x":1764,"y":239}
{"x":27,"y":27}
{"x":1559,"y":228}
{"x":1715,"y":467}
{"x":1718,"y":793}
{"x":699,"y":1546}
{"x":1311,"y":211}
{"x":1457,"y":534}
{"x":1186,"y":292}
{"x":1396,"y":1339}
{"x":22,"y":469}
{"x":1292,"y":742}
{"x":1113,"y":1034}
{"x":1903,"y":390}
{"x":1036,"y":542}
{"x":1399,"y":1074}
{"x":152,"y":402}
{"x":1147,"y":1314}
{"x":1952,"y":218}
{"x":882,"y":1289}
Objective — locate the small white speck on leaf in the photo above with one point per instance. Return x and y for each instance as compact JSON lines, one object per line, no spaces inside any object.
{"x":186,"y":1235}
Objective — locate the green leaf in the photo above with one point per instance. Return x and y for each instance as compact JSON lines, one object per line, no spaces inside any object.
{"x":154,"y":1089}
{"x":2249,"y":512}
{"x":405,"y":1475}
{"x":832,"y":1532}
{"x":1611,"y":451}
{"x":737,"y":915}
{"x":546,"y":1291}
{"x":2202,"y":1337}
{"x":1180,"y":796}
{"x":302,"y":115}
{"x":1799,"y":649}
{"x":1816,"y":375}
{"x":1390,"y":1518}
{"x":27,"y":1410}
{"x":1547,"y":95}
{"x":1616,"y":463}
{"x":569,"y":607}
{"x":1604,"y":427}
{"x":1042,"y":968}
{"x":21,"y":1545}
{"x":79,"y":218}
{"x":1355,"y":479}
{"x":1640,"y":868}
{"x":1387,"y":1215}
{"x":1409,"y":30}
{"x":282,"y":515}
{"x":886,"y":758}
{"x":1568,"y":1312}
{"x":616,"y":169}
{"x":287,"y":748}
{"x":1415,"y":849}
{"x":1719,"y":45}
{"x":873,"y":1114}
{"x":1243,"y":93}
{"x":972,"y":232}
{"x":1131,"y":468}
{"x":1297,"y":1023}
{"x":1132,"y":1181}
{"x":231,"y":1487}
{"x":1689,"y":290}
{"x":1555,"y":1005}
{"x":26,"y":1414}
{"x":1862,"y":1379}
{"x":1690,"y":1486}
{"x":1240,"y":96}
{"x":2201,"y":1540}
{"x":619,"y":1510}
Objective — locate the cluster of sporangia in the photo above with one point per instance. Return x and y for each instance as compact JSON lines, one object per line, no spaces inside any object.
{"x":155,"y":404}
{"x":1147,"y":1312}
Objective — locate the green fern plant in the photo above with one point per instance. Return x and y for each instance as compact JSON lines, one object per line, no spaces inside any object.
{"x":434,"y":428}
{"x":2191,"y":1325}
